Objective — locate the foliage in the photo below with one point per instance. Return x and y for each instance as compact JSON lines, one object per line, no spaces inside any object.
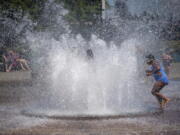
{"x":82,"y":11}
{"x":10,"y":8}
{"x":83,"y":15}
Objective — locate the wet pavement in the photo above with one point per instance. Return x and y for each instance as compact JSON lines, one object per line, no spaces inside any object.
{"x":13,"y":122}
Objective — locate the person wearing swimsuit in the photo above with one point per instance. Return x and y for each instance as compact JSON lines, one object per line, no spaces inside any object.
{"x":161,"y":80}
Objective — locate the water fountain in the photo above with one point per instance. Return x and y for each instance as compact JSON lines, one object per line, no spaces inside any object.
{"x":69,"y":84}
{"x":79,"y":80}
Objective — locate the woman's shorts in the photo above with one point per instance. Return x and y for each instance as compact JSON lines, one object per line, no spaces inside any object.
{"x":158,"y":88}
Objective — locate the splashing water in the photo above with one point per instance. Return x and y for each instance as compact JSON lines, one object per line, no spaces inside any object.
{"x":71,"y":84}
{"x":105,"y":84}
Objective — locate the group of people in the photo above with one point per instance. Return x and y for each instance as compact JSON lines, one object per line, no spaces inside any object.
{"x":160,"y":74}
{"x":13,"y":61}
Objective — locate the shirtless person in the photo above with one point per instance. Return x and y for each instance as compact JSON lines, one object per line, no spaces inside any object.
{"x":167,"y":60}
{"x":161,"y":80}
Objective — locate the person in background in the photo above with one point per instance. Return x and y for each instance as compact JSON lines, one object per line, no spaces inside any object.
{"x":3,"y":52}
{"x":23,"y":62}
{"x":9,"y":60}
{"x":90,"y":54}
{"x":13,"y":60}
{"x":161,"y":80}
{"x":167,"y":60}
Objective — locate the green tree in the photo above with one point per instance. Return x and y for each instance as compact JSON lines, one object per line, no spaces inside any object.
{"x":10,"y":8}
{"x":83,"y":15}
{"x":82,"y":11}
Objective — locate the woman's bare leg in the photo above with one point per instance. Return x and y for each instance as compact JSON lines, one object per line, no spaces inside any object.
{"x":9,"y":68}
{"x":24,"y":63}
{"x":22,"y":66}
{"x":160,"y":97}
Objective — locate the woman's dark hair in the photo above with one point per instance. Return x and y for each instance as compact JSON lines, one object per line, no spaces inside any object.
{"x":150,"y":59}
{"x":150,"y":56}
